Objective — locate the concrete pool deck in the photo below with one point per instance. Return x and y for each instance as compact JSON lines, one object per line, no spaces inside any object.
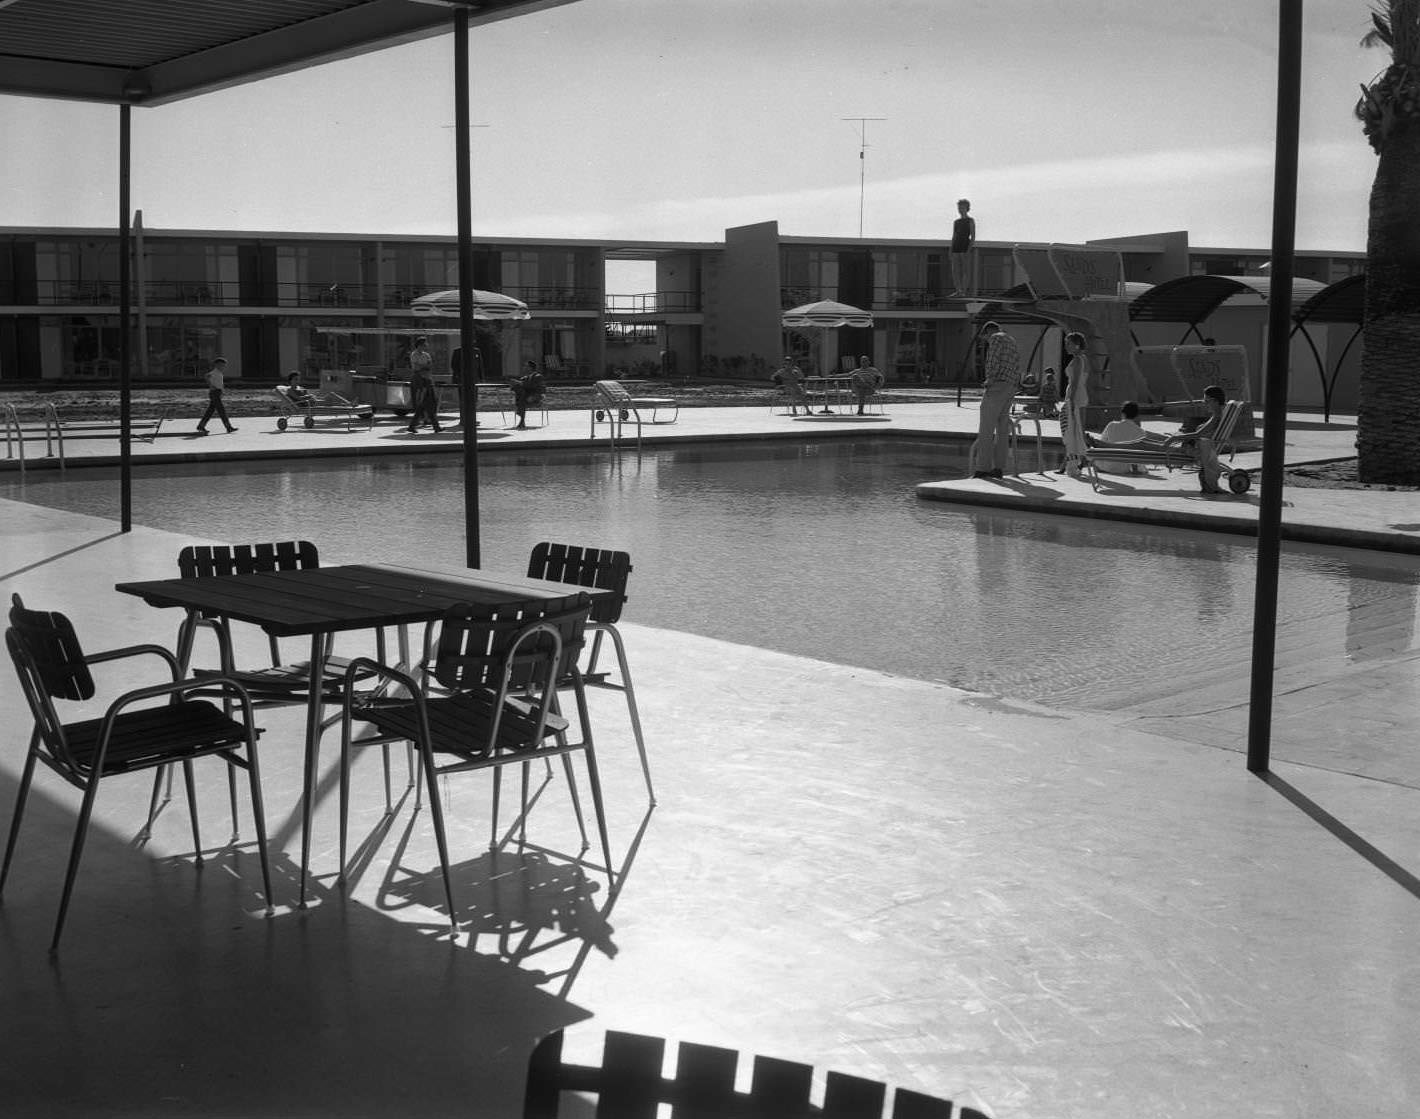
{"x":1044,"y":914}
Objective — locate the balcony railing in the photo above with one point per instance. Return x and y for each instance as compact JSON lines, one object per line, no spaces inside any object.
{"x":652,"y":303}
{"x":798,"y":295}
{"x":165,"y":293}
{"x":554,"y":297}
{"x":916,"y":299}
{"x":885,"y":299}
{"x":178,"y":293}
{"x":65,"y":293}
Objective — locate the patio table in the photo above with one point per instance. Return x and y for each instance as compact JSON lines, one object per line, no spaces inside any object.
{"x":834,"y":390}
{"x":321,"y":601}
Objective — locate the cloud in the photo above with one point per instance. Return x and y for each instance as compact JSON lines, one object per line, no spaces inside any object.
{"x":1223,"y":196}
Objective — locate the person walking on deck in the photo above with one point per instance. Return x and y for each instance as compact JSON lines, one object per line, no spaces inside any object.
{"x":216,"y":382}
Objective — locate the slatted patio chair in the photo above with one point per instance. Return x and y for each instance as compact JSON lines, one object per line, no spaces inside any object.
{"x":498,"y":668}
{"x":606,"y":570}
{"x":281,"y":683}
{"x":629,"y":1084}
{"x":133,"y":734}
{"x":276,"y":684}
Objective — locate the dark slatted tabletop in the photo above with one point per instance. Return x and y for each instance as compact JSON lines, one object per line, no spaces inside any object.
{"x":354,"y":596}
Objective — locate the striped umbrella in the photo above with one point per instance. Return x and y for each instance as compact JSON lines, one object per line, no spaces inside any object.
{"x":826,"y":314}
{"x":816,"y":319}
{"x":488,"y":306}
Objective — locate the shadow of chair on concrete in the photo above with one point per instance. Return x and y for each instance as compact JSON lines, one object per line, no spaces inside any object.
{"x":174,"y":989}
{"x":516,"y":902}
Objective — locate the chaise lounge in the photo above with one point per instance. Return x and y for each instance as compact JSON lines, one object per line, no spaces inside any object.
{"x":1171,"y":455}
{"x":613,"y":405}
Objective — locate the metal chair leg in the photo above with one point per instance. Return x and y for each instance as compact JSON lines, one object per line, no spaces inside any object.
{"x":594,"y":778}
{"x":20,"y":798}
{"x":76,"y":853}
{"x":258,"y":811}
{"x":631,"y":706}
{"x":576,"y":799}
{"x":497,"y":791}
{"x":440,"y":839}
{"x":526,"y":769}
{"x":344,"y":792}
{"x":593,"y":655}
{"x":232,"y":800}
{"x":192,"y":809}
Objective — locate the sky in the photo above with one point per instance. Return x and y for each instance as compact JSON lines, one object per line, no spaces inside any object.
{"x":1062,"y":120}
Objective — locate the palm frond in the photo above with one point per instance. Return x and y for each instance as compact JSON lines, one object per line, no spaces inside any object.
{"x":1379,"y":35}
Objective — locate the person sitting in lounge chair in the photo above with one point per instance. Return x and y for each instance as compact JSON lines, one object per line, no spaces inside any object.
{"x":1199,"y":440}
{"x":1127,"y":430}
{"x":295,"y":393}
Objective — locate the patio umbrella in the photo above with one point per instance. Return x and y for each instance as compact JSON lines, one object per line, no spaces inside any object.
{"x":826,"y":314}
{"x":488,"y":306}
{"x":817,"y":319}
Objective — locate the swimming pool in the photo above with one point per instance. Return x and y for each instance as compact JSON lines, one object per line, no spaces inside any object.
{"x":820,"y":549}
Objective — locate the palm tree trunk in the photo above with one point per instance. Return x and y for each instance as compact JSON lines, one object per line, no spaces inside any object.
{"x":1388,"y":435}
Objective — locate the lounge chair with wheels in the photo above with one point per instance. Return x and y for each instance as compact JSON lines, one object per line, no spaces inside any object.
{"x":614,"y":406}
{"x":313,"y":405}
{"x":1175,"y":452}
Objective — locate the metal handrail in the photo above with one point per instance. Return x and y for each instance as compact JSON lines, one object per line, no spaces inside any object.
{"x":12,"y":423}
{"x":51,"y":423}
{"x":53,"y":433}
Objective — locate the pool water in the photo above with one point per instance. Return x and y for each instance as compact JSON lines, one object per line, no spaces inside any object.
{"x":820,"y":549}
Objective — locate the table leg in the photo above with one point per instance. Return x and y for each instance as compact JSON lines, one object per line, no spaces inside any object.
{"x":408,"y":665}
{"x":313,"y":721}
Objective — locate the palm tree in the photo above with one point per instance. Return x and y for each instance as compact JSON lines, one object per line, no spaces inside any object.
{"x":1388,"y":436}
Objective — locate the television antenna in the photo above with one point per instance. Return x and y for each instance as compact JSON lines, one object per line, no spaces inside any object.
{"x":862,"y":162}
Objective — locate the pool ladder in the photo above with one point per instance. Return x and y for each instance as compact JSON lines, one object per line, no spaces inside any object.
{"x":14,"y":429}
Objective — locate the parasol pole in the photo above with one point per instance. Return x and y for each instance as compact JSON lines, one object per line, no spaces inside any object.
{"x":467,"y":393}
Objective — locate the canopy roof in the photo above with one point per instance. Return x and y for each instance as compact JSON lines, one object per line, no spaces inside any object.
{"x":1341,"y":302}
{"x":147,"y":52}
{"x":1191,"y":299}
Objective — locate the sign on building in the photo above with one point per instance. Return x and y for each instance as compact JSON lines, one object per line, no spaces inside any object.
{"x":1072,"y":271}
{"x":1086,"y":271}
{"x":1200,"y":366}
